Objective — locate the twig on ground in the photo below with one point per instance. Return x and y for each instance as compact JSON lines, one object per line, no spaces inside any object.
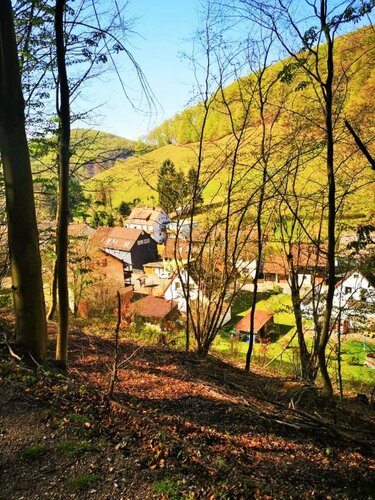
{"x":11,"y":352}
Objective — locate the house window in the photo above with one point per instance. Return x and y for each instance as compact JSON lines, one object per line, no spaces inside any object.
{"x":355,"y":275}
{"x":177,"y":285}
{"x":348,"y":290}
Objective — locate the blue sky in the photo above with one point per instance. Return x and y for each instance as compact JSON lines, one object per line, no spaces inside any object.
{"x":163,"y":31}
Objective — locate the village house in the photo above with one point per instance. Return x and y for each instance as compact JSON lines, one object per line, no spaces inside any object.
{"x":310,"y":262}
{"x":133,"y":247}
{"x":275,"y":268}
{"x":176,"y":286}
{"x":181,"y":228}
{"x":246,"y":262}
{"x":247,"y":251}
{"x":151,"y":220}
{"x":177,"y":248}
{"x":354,"y":287}
{"x":160,"y":269}
{"x":175,"y":291}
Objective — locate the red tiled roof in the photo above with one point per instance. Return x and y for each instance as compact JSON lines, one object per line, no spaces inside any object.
{"x":152,"y":307}
{"x":309,"y":255}
{"x":142,"y":215}
{"x":261,"y":318}
{"x":275,"y":264}
{"x":121,"y":238}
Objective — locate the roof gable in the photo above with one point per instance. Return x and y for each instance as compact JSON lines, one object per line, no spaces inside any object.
{"x":121,"y":238}
{"x":144,"y":215}
{"x":261,"y":318}
{"x":361,"y":276}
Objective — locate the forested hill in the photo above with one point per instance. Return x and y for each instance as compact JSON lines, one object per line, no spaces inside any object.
{"x":93,"y":151}
{"x":98,"y":151}
{"x":299,"y":123}
{"x":354,"y":53}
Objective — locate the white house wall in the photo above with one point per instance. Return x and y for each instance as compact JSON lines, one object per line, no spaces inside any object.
{"x":175,"y":291}
{"x":304,"y":279}
{"x":351,"y":289}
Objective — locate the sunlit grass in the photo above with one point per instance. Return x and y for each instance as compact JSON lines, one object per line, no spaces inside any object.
{"x":356,"y":376}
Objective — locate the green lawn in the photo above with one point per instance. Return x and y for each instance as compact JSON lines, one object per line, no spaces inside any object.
{"x":356,"y":376}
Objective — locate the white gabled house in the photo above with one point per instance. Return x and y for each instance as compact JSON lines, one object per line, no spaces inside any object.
{"x":355,"y":287}
{"x":175,"y":291}
{"x":153,"y":221}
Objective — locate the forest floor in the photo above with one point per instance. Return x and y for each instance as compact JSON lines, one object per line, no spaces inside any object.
{"x":177,"y":426}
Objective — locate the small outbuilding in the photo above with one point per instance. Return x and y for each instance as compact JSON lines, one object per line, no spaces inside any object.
{"x":263,"y":323}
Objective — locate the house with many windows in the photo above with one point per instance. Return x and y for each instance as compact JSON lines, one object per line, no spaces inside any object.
{"x":153,"y":221}
{"x":177,"y":289}
{"x":133,"y":247}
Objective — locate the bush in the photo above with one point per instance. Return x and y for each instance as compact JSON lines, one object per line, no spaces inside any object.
{"x":354,"y":361}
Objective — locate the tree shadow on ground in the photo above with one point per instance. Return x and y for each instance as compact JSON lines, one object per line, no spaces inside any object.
{"x":206,"y":391}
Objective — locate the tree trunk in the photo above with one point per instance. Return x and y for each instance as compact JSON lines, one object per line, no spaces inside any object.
{"x":29,"y":307}
{"x":307,"y":364}
{"x":53,"y":306}
{"x":323,"y":341}
{"x":63,"y":208}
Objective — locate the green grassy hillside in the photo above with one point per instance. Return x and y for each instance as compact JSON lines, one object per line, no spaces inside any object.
{"x":293,"y":122}
{"x":136,"y":177}
{"x":97,"y":150}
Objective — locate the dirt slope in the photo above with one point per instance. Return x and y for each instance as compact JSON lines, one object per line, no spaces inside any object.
{"x":178,"y":426}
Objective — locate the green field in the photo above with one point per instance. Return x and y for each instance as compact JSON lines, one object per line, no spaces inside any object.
{"x":356,"y":376}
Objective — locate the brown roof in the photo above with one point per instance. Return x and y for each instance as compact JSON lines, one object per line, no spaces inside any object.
{"x":152,"y":307}
{"x":275,"y":264}
{"x":100,"y":233}
{"x":142,"y":215}
{"x":261,"y":318}
{"x":120,"y":238}
{"x":174,"y":247}
{"x":80,"y":229}
{"x":182,"y":246}
{"x":308,"y":255}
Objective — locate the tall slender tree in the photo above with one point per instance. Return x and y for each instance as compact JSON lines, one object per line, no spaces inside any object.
{"x":63,"y":207}
{"x":27,"y":285}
